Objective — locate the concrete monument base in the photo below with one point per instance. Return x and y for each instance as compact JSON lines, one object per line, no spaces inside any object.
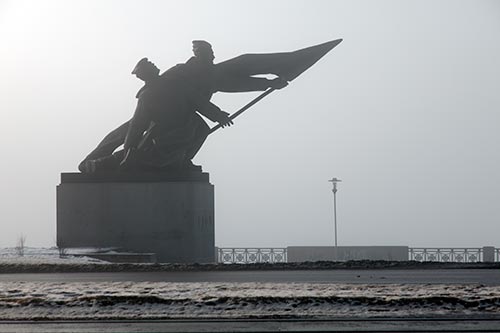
{"x":169,"y":215}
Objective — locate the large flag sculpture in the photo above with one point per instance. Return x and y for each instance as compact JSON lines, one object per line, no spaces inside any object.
{"x":287,"y":65}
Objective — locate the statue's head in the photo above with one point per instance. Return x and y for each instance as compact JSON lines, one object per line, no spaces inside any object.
{"x":146,"y":70}
{"x":203,"y":50}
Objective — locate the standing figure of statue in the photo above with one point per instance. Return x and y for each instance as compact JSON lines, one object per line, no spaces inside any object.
{"x":166,"y":130}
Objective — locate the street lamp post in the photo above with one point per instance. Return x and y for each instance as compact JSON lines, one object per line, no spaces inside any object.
{"x":334,"y":182}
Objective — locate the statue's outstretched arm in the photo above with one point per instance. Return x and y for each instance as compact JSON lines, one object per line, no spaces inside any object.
{"x":212,"y":112}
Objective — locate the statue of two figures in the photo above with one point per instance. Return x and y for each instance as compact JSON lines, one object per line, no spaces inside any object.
{"x":166,"y":130}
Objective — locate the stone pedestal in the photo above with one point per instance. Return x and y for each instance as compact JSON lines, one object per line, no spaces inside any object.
{"x":169,"y":215}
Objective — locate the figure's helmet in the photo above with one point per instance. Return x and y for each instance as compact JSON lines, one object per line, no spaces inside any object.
{"x":203,"y":49}
{"x":145,"y":69}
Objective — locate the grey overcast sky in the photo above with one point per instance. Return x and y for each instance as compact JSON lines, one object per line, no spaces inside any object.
{"x":406,"y":111}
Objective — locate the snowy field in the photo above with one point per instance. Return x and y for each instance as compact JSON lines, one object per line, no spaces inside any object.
{"x":162,"y":300}
{"x":37,"y":255}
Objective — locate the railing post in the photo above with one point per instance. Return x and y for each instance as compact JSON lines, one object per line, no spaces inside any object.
{"x":488,"y":254}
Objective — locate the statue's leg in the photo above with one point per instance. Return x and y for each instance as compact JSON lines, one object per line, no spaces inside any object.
{"x":106,"y":164}
{"x":108,"y":145}
{"x":166,"y":149}
{"x":201,"y":132}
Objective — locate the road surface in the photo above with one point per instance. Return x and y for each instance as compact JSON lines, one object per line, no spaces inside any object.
{"x":488,"y":277}
{"x":340,"y":325}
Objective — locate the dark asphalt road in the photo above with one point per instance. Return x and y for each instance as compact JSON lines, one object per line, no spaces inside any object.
{"x":490,"y":277}
{"x":343,"y":325}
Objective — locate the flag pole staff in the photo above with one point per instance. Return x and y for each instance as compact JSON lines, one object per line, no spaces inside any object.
{"x":244,"y":108}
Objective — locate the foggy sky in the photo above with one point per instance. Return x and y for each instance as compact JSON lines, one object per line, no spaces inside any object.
{"x":405,"y":111}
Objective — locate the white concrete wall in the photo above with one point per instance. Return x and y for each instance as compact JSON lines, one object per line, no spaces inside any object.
{"x":345,"y":253}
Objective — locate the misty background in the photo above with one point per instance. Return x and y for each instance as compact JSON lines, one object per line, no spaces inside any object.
{"x":406,"y":111}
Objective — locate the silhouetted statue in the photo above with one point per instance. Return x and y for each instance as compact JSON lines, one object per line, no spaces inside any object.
{"x":167,"y":130}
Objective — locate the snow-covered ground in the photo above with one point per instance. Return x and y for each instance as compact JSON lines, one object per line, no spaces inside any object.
{"x":37,"y":255}
{"x":155,"y":300}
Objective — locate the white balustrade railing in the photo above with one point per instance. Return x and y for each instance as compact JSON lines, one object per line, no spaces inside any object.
{"x":429,"y":254}
{"x":251,"y":255}
{"x":443,"y":254}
